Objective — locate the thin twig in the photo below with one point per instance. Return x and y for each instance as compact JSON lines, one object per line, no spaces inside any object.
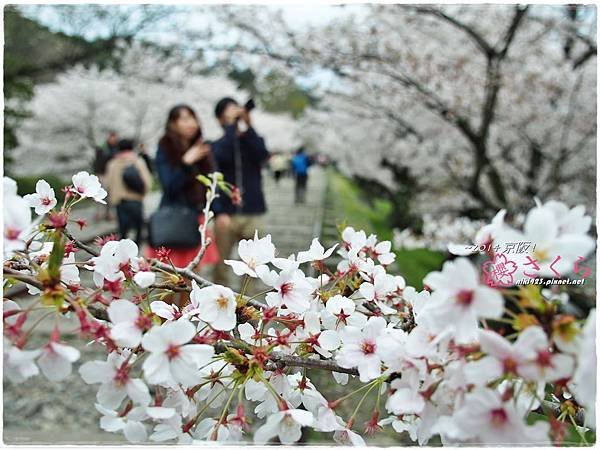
{"x":210,"y":196}
{"x":79,"y":244}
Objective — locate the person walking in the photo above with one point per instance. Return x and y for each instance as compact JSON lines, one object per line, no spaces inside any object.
{"x":141,"y":149}
{"x":279,"y":164}
{"x":182,"y":155}
{"x":240,"y":155}
{"x":128,"y":180}
{"x":300,"y":164}
{"x":103,"y":154}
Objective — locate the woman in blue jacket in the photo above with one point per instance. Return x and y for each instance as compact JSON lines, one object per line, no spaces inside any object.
{"x":182,"y":155}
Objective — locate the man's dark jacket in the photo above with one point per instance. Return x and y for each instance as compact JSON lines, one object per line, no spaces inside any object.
{"x":252,"y":154}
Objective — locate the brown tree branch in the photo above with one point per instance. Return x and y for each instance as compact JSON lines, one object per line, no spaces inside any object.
{"x":479,"y":40}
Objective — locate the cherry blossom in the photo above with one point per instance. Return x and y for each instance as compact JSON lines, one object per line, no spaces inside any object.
{"x":88,"y":186}
{"x":116,"y":384}
{"x":56,"y":359}
{"x":286,"y":425}
{"x":44,"y":198}
{"x":128,"y":323}
{"x":116,"y":258}
{"x":341,"y":311}
{"x":17,"y":223}
{"x":431,"y":359}
{"x":551,"y":236}
{"x":316,"y":252}
{"x":254,"y":254}
{"x":165,"y":310}
{"x":359,"y":348}
{"x":131,"y":424}
{"x":170,"y":360}
{"x":485,"y":418}
{"x":459,"y":300}
{"x":215,"y":305}
{"x":19,"y":364}
{"x":504,"y":357}
{"x":292,"y":289}
{"x":546,"y":365}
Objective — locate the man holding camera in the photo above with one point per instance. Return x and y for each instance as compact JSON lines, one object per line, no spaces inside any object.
{"x":239,"y":154}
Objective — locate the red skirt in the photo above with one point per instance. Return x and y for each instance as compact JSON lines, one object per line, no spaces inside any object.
{"x":181,"y":257}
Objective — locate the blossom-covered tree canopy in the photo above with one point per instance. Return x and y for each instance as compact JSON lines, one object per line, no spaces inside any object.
{"x":485,"y":105}
{"x":74,"y":113}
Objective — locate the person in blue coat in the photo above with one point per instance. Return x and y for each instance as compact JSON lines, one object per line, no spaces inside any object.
{"x":240,"y":155}
{"x":300,"y":164}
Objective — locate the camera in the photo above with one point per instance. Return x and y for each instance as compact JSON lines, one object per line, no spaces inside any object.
{"x":250,"y":105}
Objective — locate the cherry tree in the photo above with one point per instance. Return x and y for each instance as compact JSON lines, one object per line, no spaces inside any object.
{"x":471,"y":359}
{"x":74,"y":113}
{"x":481,"y":106}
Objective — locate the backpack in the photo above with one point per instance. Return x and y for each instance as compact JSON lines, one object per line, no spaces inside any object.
{"x":133,"y":180}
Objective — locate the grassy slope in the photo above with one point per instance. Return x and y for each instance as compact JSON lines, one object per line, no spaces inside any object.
{"x":356,"y":211}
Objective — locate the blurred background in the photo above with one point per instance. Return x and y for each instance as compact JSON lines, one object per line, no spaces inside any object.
{"x":422,"y":121}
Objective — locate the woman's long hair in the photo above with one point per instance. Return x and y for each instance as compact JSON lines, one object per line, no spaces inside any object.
{"x":174,"y":149}
{"x":171,"y":141}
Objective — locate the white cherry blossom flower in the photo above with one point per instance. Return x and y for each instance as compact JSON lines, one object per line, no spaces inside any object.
{"x":130,"y":424}
{"x":253,"y":254}
{"x":206,"y":428}
{"x":556,"y":241}
{"x":115,"y":256}
{"x":292,"y":290}
{"x":406,"y":397}
{"x":128,"y":323}
{"x":115,"y":382}
{"x":484,"y":418}
{"x":44,"y":198}
{"x":359,"y":349}
{"x":459,"y":300}
{"x":88,"y":186}
{"x":169,"y":429}
{"x":353,"y":239}
{"x":546,"y":365}
{"x":170,"y":360}
{"x":323,"y":341}
{"x":247,"y":331}
{"x":168,"y":311}
{"x":286,"y":425}
{"x":503,"y":357}
{"x":56,"y":359}
{"x":215,"y":305}
{"x":377,"y":292}
{"x":144,"y":279}
{"x":341,"y":311}
{"x":19,"y":364}
{"x":316,"y":252}
{"x":17,"y":223}
{"x":384,"y":254}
